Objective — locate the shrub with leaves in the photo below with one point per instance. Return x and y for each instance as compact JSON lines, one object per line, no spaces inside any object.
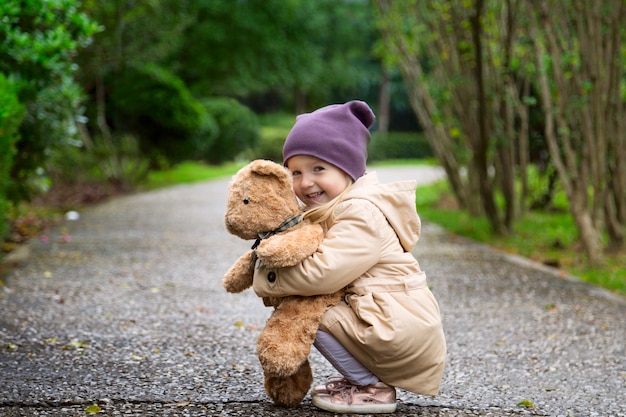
{"x":399,"y":145}
{"x":38,"y":42}
{"x":11,"y":113}
{"x":239,"y":129}
{"x":270,"y":145}
{"x":116,"y":164}
{"x":154,"y":104}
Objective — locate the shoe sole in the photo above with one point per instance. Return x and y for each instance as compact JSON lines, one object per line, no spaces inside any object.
{"x":354,"y":408}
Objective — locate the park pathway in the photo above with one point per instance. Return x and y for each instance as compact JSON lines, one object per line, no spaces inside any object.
{"x":124,"y":309}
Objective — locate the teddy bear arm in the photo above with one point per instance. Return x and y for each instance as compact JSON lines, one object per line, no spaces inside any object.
{"x":290,"y":248}
{"x":239,"y":276}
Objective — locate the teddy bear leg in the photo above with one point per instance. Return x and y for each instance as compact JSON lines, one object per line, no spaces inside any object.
{"x":289,"y":391}
{"x":285,"y":342}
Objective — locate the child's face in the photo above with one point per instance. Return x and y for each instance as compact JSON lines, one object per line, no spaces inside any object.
{"x":316,"y":181}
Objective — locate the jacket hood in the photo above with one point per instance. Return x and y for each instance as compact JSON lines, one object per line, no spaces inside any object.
{"x":396,"y":201}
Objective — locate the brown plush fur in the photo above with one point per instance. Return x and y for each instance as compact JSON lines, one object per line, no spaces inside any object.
{"x":260,"y":198}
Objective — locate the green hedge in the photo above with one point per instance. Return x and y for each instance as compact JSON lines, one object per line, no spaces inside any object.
{"x":271,"y":144}
{"x":11,"y":114}
{"x":39,"y":40}
{"x":399,"y":145}
{"x":156,"y":106}
{"x":239,"y":129}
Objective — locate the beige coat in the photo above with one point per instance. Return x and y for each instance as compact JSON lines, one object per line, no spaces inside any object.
{"x":389,"y":319}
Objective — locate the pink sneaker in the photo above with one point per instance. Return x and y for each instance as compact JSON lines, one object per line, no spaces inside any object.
{"x":333,"y":382}
{"x":341,"y":397}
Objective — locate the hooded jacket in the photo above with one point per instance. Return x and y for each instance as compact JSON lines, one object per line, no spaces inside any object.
{"x":389,"y":320}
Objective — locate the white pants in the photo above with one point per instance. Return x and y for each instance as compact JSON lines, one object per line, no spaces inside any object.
{"x":342,"y":360}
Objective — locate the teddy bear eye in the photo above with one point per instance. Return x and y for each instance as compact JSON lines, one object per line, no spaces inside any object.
{"x":246,"y":201}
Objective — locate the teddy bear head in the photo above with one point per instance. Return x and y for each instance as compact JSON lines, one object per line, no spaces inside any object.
{"x":260,"y":198}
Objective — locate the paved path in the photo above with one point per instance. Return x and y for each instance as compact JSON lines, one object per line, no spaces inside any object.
{"x":129,"y":314}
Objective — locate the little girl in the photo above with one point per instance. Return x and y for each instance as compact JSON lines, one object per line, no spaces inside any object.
{"x":387,"y":331}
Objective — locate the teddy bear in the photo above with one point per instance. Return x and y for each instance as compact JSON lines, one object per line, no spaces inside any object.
{"x":262,"y":205}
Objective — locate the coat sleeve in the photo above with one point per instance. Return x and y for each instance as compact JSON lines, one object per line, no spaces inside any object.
{"x":351,"y":247}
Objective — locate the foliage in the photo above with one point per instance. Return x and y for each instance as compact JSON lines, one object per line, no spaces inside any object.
{"x":135,"y":33}
{"x":155,"y":105}
{"x":476,"y":73}
{"x":38,"y":43}
{"x":26,"y":222}
{"x":275,"y":127}
{"x":547,"y":237}
{"x":11,"y":113}
{"x":238,"y":129}
{"x":398,"y":145}
{"x":461,"y":65}
{"x":119,"y":163}
{"x":277,"y":47}
{"x":580,"y":54}
{"x":270,"y":145}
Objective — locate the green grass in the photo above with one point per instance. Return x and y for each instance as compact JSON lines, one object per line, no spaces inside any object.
{"x":188,"y":172}
{"x":545,"y":237}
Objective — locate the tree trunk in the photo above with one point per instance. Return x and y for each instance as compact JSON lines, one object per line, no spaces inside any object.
{"x":300,"y":101}
{"x":571,"y":157}
{"x":438,"y":137}
{"x":582,"y":99}
{"x":523,"y":151}
{"x":481,"y":147}
{"x":384,"y":98}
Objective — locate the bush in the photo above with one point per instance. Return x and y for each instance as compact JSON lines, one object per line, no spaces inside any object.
{"x":238,"y":129}
{"x":399,"y":145}
{"x":93,"y":172}
{"x":39,"y":40}
{"x":270,"y":145}
{"x":11,"y":114}
{"x":118,"y":162}
{"x":155,"y":105}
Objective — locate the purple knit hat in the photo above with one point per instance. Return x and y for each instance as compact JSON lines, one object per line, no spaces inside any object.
{"x":337,"y":134}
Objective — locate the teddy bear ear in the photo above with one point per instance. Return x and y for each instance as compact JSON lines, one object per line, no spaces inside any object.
{"x":267,"y":167}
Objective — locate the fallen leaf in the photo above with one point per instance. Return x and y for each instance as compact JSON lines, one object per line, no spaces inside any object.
{"x":550,"y":307}
{"x":526,"y":403}
{"x":178,"y":404}
{"x":79,"y":344}
{"x":136,"y":357}
{"x":93,"y":409}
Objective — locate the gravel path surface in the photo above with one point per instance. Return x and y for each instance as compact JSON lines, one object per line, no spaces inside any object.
{"x":124,"y":309}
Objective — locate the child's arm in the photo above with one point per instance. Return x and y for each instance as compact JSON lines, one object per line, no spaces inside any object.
{"x":351,"y":247}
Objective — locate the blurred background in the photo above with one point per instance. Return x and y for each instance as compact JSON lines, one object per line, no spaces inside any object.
{"x":521,"y":102}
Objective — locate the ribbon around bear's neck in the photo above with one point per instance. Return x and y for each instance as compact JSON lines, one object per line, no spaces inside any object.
{"x":286,"y":225}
